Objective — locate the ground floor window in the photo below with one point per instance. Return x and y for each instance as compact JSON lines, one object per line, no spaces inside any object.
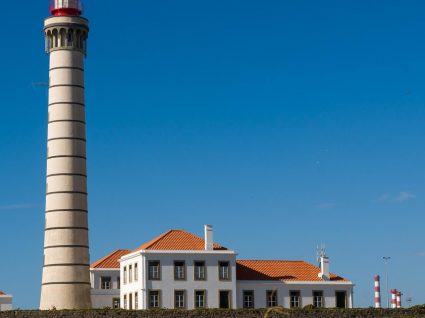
{"x":115,"y":303}
{"x":130,"y":301}
{"x":295,"y":299}
{"x":271,"y":298}
{"x":248,"y":299}
{"x":318,"y":299}
{"x":200,"y":299}
{"x":136,"y":300}
{"x":125,"y":301}
{"x":179,"y":299}
{"x":154,"y":299}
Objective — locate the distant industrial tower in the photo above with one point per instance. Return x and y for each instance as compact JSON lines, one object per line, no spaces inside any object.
{"x":66,"y":277}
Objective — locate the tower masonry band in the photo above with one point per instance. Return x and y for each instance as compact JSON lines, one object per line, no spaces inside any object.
{"x":66,"y":275}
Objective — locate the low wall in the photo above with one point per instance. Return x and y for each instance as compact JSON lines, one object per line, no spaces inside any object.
{"x":215,"y":313}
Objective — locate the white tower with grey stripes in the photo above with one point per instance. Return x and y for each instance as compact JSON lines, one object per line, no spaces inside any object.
{"x":66,"y":276}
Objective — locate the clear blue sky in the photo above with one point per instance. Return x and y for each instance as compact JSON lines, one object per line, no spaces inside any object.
{"x":283,"y":123}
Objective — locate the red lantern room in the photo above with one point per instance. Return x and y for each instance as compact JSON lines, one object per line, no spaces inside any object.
{"x":66,"y":7}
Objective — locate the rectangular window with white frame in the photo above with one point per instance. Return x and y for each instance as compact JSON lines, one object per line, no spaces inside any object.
{"x":125,"y":301}
{"x":200,"y":299}
{"x":154,"y":270}
{"x":318,"y":299}
{"x":105,"y":282}
{"x":248,"y":299}
{"x":125,"y":275}
{"x":271,"y":298}
{"x":179,"y":299}
{"x":224,"y":270}
{"x":154,"y":299}
{"x":130,"y":274}
{"x":200,"y":270}
{"x":136,"y":300}
{"x":136,"y":272}
{"x":130,"y":301}
{"x":179,"y":270}
{"x":295,"y":299}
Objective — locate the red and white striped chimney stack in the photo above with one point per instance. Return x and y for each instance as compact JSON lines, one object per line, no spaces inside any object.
{"x":377,"y":291}
{"x":398,"y":299}
{"x":393,"y":298}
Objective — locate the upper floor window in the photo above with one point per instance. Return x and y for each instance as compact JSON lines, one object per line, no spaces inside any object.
{"x":179,"y":299}
{"x":118,"y":282}
{"x":105,"y":282}
{"x":200,"y":270}
{"x":154,"y":270}
{"x":294,"y":299}
{"x":130,"y":273}
{"x":318,"y":299}
{"x":136,"y":272}
{"x":200,"y":299}
{"x":154,"y":299}
{"x":248,"y":299}
{"x":125,"y":275}
{"x":224,"y":270}
{"x":179,"y":270}
{"x":271,"y":298}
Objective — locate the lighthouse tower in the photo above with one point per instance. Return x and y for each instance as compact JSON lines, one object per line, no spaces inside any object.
{"x":66,"y":277}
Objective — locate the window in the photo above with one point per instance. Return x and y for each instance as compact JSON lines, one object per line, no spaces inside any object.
{"x":154,"y":270}
{"x":271,"y":298}
{"x":125,"y":275}
{"x":125,"y":301}
{"x":224,"y":270}
{"x":105,"y":282}
{"x":118,"y":282}
{"x":294,"y":299}
{"x":136,"y":274}
{"x":179,"y":299}
{"x":136,"y":299}
{"x":130,"y":301}
{"x":248,"y":299}
{"x":115,"y":303}
{"x":179,"y":270}
{"x":341,"y":299}
{"x":130,"y":273}
{"x":200,"y":299}
{"x":200,"y":271}
{"x":154,"y":299}
{"x":318,"y":299}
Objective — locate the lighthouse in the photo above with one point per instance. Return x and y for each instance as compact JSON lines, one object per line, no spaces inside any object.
{"x":66,"y":276}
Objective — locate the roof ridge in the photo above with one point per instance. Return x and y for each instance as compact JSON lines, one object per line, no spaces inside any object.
{"x":153,"y":241}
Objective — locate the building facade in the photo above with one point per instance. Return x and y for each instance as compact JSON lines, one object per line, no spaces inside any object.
{"x":183,"y":271}
{"x":5,"y":301}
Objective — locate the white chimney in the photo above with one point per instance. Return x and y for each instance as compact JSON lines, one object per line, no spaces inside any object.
{"x":324,"y":267}
{"x":209,"y":242}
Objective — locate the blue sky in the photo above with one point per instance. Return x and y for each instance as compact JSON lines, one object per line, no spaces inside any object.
{"x":283,"y":123}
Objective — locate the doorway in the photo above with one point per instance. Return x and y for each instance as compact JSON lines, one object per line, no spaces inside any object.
{"x":341,"y":299}
{"x":224,"y":299}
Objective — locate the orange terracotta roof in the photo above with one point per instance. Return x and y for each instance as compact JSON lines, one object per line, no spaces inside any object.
{"x":111,"y":260}
{"x":177,"y":240}
{"x":279,"y":271}
{"x":1,"y":293}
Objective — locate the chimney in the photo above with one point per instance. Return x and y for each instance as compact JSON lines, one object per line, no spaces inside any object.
{"x":377,"y":291}
{"x":324,"y":263}
{"x":324,"y":267}
{"x":209,"y":242}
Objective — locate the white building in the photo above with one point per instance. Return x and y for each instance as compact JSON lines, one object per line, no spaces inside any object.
{"x":5,"y":301}
{"x":181,"y":270}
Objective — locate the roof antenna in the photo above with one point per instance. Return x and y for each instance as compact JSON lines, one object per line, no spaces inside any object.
{"x":321,"y":252}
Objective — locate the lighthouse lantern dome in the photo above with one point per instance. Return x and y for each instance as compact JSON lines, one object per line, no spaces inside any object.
{"x":66,"y":7}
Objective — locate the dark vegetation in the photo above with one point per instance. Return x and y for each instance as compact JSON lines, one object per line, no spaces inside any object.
{"x":278,"y":312}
